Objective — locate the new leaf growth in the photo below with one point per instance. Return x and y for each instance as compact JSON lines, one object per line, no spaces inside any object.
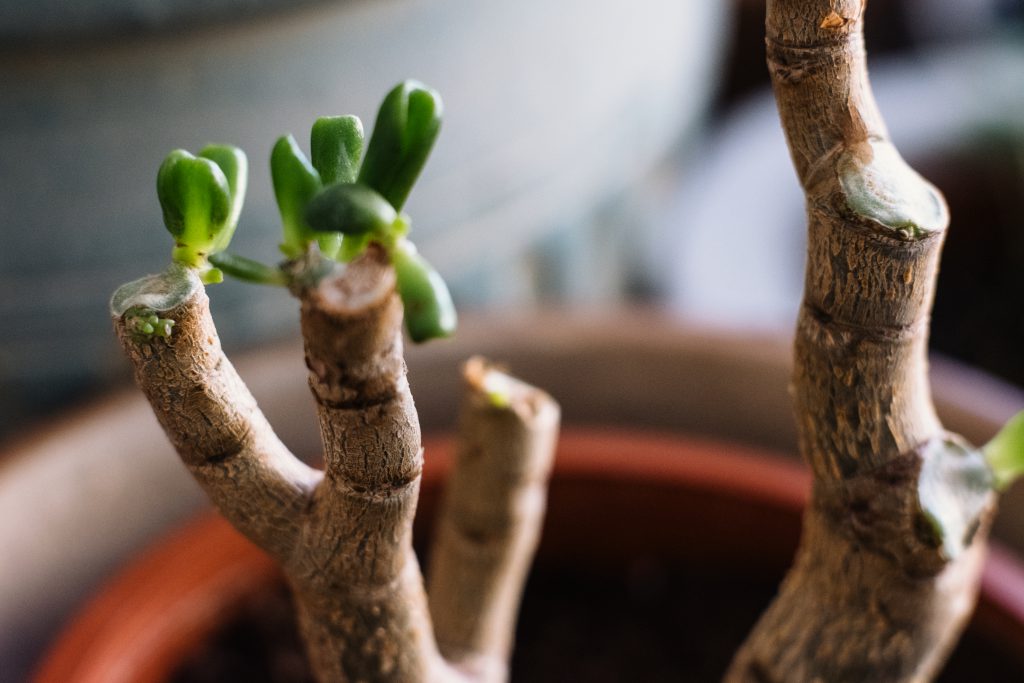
{"x":201,"y":197}
{"x":362,"y":203}
{"x":336,"y":198}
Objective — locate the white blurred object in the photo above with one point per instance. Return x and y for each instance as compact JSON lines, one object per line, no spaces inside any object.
{"x":737,"y":226}
{"x":550,"y":108}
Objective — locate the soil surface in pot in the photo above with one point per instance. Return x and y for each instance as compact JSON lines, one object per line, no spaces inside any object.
{"x":654,"y":622}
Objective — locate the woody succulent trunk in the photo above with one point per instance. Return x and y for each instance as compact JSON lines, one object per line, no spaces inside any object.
{"x":894,"y":537}
{"x":342,"y":534}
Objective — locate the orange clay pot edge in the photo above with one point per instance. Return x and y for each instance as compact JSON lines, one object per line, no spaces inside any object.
{"x":131,"y":632}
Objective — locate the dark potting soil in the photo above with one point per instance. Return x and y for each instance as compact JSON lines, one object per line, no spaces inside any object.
{"x":646,"y":624}
{"x":977,"y":314}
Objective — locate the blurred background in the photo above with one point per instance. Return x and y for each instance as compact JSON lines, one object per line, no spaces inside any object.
{"x":596,"y":156}
{"x":592,"y":155}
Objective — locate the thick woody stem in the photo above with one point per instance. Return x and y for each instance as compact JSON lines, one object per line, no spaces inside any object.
{"x":491,"y":519}
{"x":873,"y":595}
{"x":361,"y":604}
{"x":216,"y":427}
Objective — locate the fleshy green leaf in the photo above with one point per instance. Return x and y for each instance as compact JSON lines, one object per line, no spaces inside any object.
{"x":429,"y":311}
{"x":336,"y":147}
{"x":235,"y":166}
{"x":1005,"y":452}
{"x":168,"y":191}
{"x":330,"y":244}
{"x":349,"y":208}
{"x":196,"y":201}
{"x":407,"y":126}
{"x":352,"y":246}
{"x":295,"y":183}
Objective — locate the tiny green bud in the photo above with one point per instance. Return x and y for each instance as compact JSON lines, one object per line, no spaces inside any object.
{"x":407,"y":126}
{"x":162,"y":328}
{"x":352,"y":246}
{"x":336,"y":147}
{"x":429,"y":311}
{"x":330,"y":244}
{"x":196,"y":201}
{"x":350,"y":208}
{"x":295,"y":183}
{"x":143,"y":323}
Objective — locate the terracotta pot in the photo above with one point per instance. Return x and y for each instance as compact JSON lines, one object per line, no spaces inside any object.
{"x":102,"y":483}
{"x":615,"y":497}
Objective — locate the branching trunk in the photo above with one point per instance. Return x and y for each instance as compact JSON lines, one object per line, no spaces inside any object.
{"x":344,"y":536}
{"x":883,"y":581}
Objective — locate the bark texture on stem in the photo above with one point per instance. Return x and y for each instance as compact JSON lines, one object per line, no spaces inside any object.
{"x":219,"y":432}
{"x":876,"y":593}
{"x":491,"y":519}
{"x":344,"y":536}
{"x":361,"y":603}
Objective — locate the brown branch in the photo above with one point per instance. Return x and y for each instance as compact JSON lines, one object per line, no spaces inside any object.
{"x":875,"y":593}
{"x":491,"y":519}
{"x":216,"y":427}
{"x":344,"y":536}
{"x":362,"y":607}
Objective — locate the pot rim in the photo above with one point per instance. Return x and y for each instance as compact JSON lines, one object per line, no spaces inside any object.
{"x":219,"y":567}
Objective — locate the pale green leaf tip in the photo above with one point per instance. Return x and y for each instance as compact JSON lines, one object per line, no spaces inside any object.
{"x":211,"y":276}
{"x":1005,"y":452}
{"x":295,"y":182}
{"x":881,"y":186}
{"x":497,"y":387}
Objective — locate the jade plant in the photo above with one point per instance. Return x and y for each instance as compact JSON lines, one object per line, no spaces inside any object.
{"x":342,"y":534}
{"x":894,"y":537}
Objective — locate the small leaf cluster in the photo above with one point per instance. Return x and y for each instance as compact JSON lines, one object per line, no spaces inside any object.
{"x":337,"y":200}
{"x":201,"y":197}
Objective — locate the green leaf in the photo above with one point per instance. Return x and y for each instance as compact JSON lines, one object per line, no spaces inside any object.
{"x":349,"y":208}
{"x":429,"y":311}
{"x":352,"y":246}
{"x":295,"y":183}
{"x":330,"y":244}
{"x":407,"y":126}
{"x":235,"y":166}
{"x":336,"y":147}
{"x":1005,"y":452}
{"x":196,"y":201}
{"x":168,"y":191}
